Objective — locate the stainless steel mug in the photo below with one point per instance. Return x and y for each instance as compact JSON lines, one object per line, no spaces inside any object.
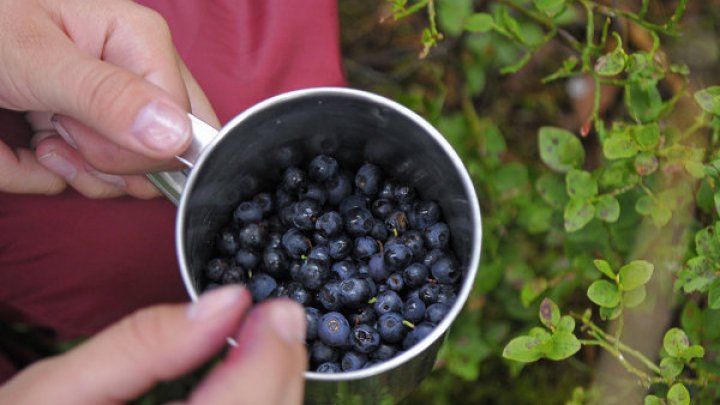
{"x":250,"y":153}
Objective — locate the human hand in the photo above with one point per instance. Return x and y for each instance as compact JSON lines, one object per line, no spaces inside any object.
{"x":108,"y":72}
{"x":163,"y":342}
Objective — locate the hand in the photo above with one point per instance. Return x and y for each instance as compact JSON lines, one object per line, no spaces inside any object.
{"x":109,"y":75}
{"x":164,"y":342}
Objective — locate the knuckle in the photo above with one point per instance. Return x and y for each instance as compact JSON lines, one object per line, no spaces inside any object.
{"x":141,"y":331}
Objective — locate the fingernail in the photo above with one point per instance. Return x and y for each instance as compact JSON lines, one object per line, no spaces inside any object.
{"x":214,"y":302}
{"x":64,"y":134}
{"x":59,"y":165}
{"x":287,"y":320}
{"x":161,"y":126}
{"x":117,"y":181}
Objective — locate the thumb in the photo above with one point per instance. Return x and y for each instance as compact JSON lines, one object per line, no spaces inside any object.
{"x":122,"y":362}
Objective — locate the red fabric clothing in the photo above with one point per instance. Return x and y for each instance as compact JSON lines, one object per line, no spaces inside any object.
{"x":75,"y":264}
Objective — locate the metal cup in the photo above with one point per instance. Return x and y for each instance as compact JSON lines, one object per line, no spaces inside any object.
{"x":249,"y":154}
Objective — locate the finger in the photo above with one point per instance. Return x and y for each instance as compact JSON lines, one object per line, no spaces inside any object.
{"x":267,"y":365}
{"x":199,"y":103}
{"x":128,"y":358}
{"x":20,"y":172}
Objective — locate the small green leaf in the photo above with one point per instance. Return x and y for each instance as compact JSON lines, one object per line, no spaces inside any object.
{"x":607,"y":208}
{"x":643,"y":101}
{"x":635,"y":274}
{"x":619,"y":146}
{"x":552,"y":190}
{"x":714,"y":295}
{"x":604,"y":293}
{"x":580,"y":184}
{"x":549,"y":7}
{"x":612,"y":63}
{"x":634,"y":297}
{"x":694,"y":168}
{"x":646,"y":163}
{"x":691,"y":320}
{"x":532,"y":289}
{"x":692,"y":352}
{"x":675,"y":342}
{"x":562,"y":345}
{"x":578,"y":213}
{"x":646,"y":136}
{"x":604,"y":268}
{"x":671,"y":367}
{"x":509,"y":24}
{"x":549,"y":313}
{"x":524,"y":349}
{"x":709,"y":99}
{"x":678,"y":395}
{"x":479,"y":22}
{"x":560,"y":149}
{"x":567,"y":324}
{"x":608,"y":314}
{"x":653,"y":400}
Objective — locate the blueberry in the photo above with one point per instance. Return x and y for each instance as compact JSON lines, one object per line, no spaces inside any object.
{"x":234,"y":275}
{"x":329,"y":224}
{"x":415,"y":275}
{"x":397,"y":256}
{"x":340,"y":247}
{"x":334,"y":329}
{"x":354,"y":292}
{"x":365,"y":314}
{"x":329,"y":296}
{"x":391,"y":328}
{"x":437,"y":235}
{"x":387,"y":191}
{"x":345,"y":269}
{"x":364,"y":247}
{"x":425,"y":214}
{"x":305,"y":213}
{"x":215,"y":269}
{"x":404,"y":193}
{"x":365,"y":338}
{"x":247,"y":258}
{"x":371,"y":283}
{"x":318,"y":239}
{"x":378,"y":230}
{"x":436,"y":312}
{"x":227,"y":242}
{"x":445,"y":270}
{"x":283,"y":199}
{"x":353,"y":361}
{"x":417,"y":334}
{"x":368,"y":179}
{"x":321,"y":253}
{"x":274,"y":240}
{"x":323,"y":168}
{"x":377,"y":268}
{"x":414,"y":309}
{"x":314,"y":192}
{"x":384,"y":352}
{"x":429,"y":293}
{"x":395,"y":281}
{"x":312,"y":320}
{"x":396,"y":222}
{"x":252,"y":236}
{"x":275,"y":262}
{"x":294,"y":179}
{"x":248,"y":212}
{"x":447,"y":294}
{"x":322,"y":353}
{"x":329,"y":368}
{"x":388,"y":301}
{"x":338,"y":188}
{"x":261,"y":285}
{"x":298,"y":293}
{"x":296,"y":244}
{"x":352,"y":202}
{"x":432,"y":256}
{"x":414,"y":240}
{"x":382,"y":207}
{"x":265,"y":202}
{"x":312,"y":274}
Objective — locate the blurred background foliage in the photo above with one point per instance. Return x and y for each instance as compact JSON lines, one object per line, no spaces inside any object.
{"x":482,"y":81}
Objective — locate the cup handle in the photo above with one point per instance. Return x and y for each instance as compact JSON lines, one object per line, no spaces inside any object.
{"x":171,"y":184}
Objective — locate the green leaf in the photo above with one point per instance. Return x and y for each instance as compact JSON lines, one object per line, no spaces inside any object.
{"x":532,"y":289}
{"x":692,"y":352}
{"x":646,"y":136}
{"x":560,"y":149}
{"x":709,"y":99}
{"x":604,"y":293}
{"x":479,"y":22}
{"x":646,"y":163}
{"x":608,"y":314}
{"x":659,"y":213}
{"x":714,"y":295}
{"x":612,"y":63}
{"x":643,"y":101}
{"x":694,"y":168}
{"x":524,"y":349}
{"x":552,"y":190}
{"x":635,"y":297}
{"x":691,"y":319}
{"x":566,"y":324}
{"x":675,"y":342}
{"x":619,"y":145}
{"x":549,"y":7}
{"x":635,"y":274}
{"x":549,"y":313}
{"x":678,"y":395}
{"x":653,"y":400}
{"x":604,"y":268}
{"x":671,"y":367}
{"x":451,"y":15}
{"x":509,"y":24}
{"x":580,"y":184}
{"x":607,"y":208}
{"x":562,"y":345}
{"x":578,"y":213}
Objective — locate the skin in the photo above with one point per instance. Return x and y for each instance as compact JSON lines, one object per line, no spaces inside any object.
{"x":166,"y":341}
{"x":108,"y":75}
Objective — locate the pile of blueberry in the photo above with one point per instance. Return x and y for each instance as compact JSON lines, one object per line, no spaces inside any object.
{"x":368,"y":258}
